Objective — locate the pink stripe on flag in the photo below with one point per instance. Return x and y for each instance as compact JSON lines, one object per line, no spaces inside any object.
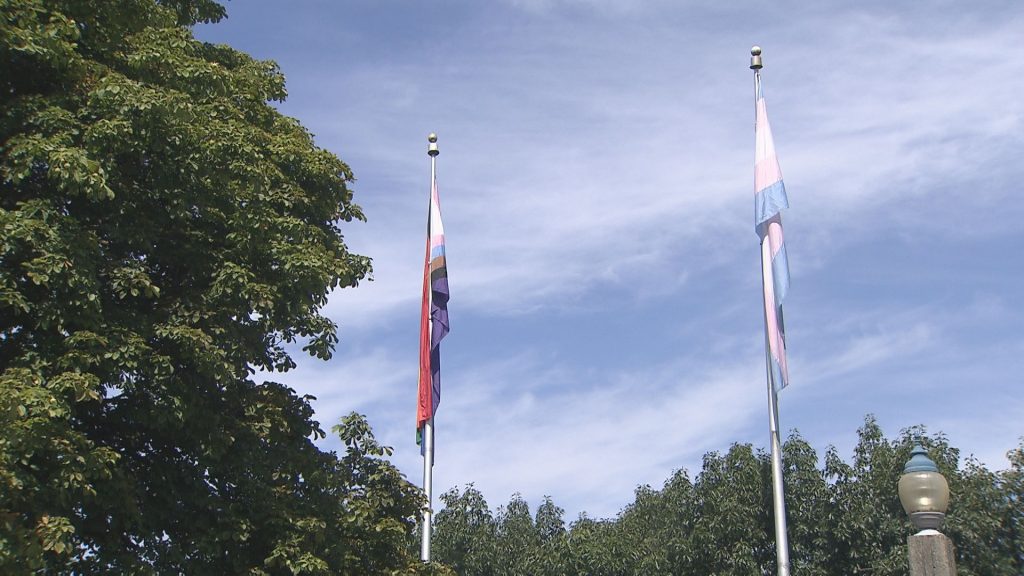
{"x":766,"y":163}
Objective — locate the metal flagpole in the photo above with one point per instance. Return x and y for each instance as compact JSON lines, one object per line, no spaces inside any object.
{"x":428,"y":426}
{"x":428,"y":465}
{"x":778,"y":497}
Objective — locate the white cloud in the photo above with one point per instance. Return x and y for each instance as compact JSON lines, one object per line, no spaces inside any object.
{"x":586,"y":439}
{"x":597,"y":156}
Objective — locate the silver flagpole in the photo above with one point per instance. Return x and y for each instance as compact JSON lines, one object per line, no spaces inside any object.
{"x":428,"y":465}
{"x":428,"y":426}
{"x":778,"y":497}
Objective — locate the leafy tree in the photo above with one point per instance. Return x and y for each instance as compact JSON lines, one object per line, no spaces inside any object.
{"x":370,"y":508}
{"x":517,"y":538}
{"x":732,"y":525}
{"x":646,"y":528}
{"x":843,"y":518}
{"x":164,"y":234}
{"x":473,"y":542}
{"x":675,"y":529}
{"x":1013,"y":523}
{"x":549,"y":522}
{"x":979,"y":509}
{"x":552,"y":551}
{"x":597,"y":548}
{"x":808,"y":507}
{"x":465,"y":533}
{"x":867,"y":528}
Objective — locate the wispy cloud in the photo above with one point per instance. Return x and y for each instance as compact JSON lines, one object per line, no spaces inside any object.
{"x":595,"y":181}
{"x":531,"y":427}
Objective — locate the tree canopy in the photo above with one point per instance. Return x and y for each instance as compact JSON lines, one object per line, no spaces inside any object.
{"x":844,"y":517}
{"x":165,"y":236}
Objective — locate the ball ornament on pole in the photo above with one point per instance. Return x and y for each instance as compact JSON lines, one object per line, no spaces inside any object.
{"x":755,"y":58}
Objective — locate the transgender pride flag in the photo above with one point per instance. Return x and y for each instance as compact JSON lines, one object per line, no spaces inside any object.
{"x":434,"y":315}
{"x":769,"y":200}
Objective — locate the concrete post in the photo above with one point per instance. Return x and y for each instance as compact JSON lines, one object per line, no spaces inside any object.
{"x":931,"y":554}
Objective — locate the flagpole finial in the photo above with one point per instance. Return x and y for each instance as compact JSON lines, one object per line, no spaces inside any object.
{"x":432,"y":148}
{"x":755,"y":58}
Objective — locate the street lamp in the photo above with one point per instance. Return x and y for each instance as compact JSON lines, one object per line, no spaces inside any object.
{"x":923,"y":491}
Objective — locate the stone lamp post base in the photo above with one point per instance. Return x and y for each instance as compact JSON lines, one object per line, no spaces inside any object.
{"x":931,"y":554}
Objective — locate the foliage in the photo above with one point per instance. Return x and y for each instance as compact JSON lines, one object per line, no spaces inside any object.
{"x":844,"y":518}
{"x":165,"y":233}
{"x":1013,"y":521}
{"x":867,"y":528}
{"x":374,"y":510}
{"x":465,"y":534}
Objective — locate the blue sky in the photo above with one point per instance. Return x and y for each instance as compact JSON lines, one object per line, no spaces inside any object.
{"x":596,"y":184}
